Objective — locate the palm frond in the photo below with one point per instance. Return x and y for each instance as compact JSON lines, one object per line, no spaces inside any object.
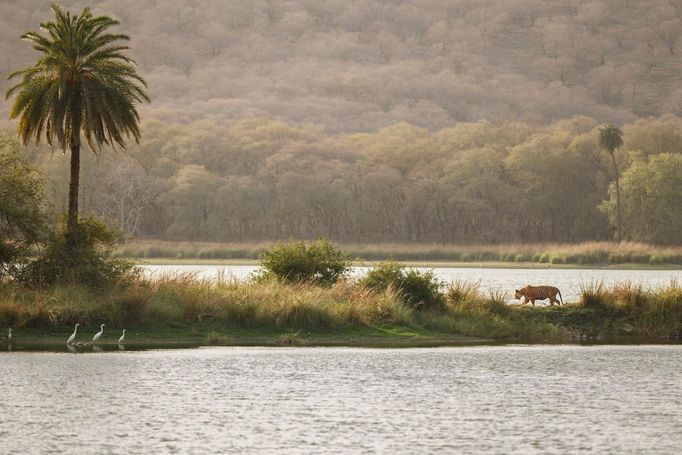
{"x":610,"y":138}
{"x":83,"y":84}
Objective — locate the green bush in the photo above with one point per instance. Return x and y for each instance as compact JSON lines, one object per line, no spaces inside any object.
{"x":87,"y":258}
{"x":418,"y":290}
{"x":318,"y":262}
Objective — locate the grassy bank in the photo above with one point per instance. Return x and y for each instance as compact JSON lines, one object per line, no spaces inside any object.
{"x":182,"y":309}
{"x":590,"y":253}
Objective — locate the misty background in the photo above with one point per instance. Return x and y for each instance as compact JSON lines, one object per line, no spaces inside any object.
{"x":423,"y":120}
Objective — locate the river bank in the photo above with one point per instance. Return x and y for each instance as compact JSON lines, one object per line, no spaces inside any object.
{"x":178,"y":309}
{"x":142,"y":338}
{"x":425,"y":264}
{"x":601,"y":254}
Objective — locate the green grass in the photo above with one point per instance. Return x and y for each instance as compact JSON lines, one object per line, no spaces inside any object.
{"x":180,"y":309}
{"x":605,"y":254}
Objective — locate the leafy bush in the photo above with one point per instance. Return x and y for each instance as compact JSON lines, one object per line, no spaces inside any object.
{"x":319,"y":262}
{"x":85,"y":258}
{"x":418,"y":290}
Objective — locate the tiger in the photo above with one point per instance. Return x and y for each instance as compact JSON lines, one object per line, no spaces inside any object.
{"x":533,"y":293}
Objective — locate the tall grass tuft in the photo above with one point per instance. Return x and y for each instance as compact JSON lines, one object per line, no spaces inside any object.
{"x":462,"y":291}
{"x":630,"y":296}
{"x":663,"y":317}
{"x":595,"y":296}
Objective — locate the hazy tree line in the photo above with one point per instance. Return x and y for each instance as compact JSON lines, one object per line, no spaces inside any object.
{"x":260,"y":178}
{"x":360,"y":65}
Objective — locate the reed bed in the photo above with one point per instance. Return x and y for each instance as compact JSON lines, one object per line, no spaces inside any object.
{"x":547,"y":253}
{"x":182,"y":301}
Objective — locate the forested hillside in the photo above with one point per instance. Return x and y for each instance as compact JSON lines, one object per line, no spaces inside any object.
{"x":422,"y":120}
{"x":359,"y":65}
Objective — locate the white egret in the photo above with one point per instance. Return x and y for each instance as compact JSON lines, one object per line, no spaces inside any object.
{"x":122,"y":339}
{"x":9,"y":335}
{"x":98,"y":334}
{"x":73,"y":335}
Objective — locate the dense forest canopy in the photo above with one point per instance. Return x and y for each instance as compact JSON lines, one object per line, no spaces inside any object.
{"x":359,"y":65}
{"x":263,"y":179}
{"x":422,"y":120}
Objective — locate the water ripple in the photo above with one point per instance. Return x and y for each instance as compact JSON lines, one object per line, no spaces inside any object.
{"x":525,"y":399}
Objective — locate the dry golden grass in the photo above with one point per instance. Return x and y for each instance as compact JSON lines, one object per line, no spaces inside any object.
{"x":183,"y":301}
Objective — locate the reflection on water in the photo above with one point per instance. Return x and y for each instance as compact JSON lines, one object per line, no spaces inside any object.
{"x":490,"y":279}
{"x":84,"y":348}
{"x":523,"y":399}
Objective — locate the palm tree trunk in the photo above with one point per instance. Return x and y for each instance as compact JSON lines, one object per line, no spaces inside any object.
{"x":620,"y":226}
{"x":72,"y":217}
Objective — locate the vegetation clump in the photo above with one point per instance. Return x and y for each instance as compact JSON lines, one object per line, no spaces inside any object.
{"x":318,"y":262}
{"x":83,"y":257}
{"x":419,"y":290}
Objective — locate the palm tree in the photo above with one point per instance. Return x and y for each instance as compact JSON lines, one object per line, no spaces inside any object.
{"x":611,"y":139}
{"x":82,"y":86}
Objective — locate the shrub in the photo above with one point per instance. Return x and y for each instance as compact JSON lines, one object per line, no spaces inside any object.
{"x":319,"y":262}
{"x":85,"y":259}
{"x":418,"y":290}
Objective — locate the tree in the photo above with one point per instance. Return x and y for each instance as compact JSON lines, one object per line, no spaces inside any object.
{"x":652,"y":202}
{"x":611,"y":139}
{"x":21,"y":209}
{"x":82,"y":85}
{"x":557,"y":187}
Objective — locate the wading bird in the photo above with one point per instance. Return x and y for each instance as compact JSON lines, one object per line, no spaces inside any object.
{"x":9,"y":335}
{"x":73,"y":335}
{"x":122,"y":339}
{"x":98,"y":334}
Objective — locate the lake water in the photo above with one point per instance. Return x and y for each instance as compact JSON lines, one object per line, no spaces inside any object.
{"x":508,"y":399}
{"x":569,"y":281}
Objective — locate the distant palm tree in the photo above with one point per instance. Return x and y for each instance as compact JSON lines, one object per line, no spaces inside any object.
{"x":83,"y":84}
{"x":611,"y":139}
